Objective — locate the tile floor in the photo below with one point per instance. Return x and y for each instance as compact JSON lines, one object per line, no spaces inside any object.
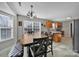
{"x":62,"y":49}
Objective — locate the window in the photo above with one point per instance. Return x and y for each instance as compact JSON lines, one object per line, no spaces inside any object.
{"x":31,"y":26}
{"x":6,"y":27}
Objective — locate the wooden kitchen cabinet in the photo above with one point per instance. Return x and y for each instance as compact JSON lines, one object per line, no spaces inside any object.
{"x":48,"y":24}
{"x":57,"y":37}
{"x":58,"y":24}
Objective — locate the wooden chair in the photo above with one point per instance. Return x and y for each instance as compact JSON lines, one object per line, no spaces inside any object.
{"x":47,"y":42}
{"x":36,"y":49}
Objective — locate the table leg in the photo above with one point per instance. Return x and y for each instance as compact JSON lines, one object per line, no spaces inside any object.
{"x":25,"y":52}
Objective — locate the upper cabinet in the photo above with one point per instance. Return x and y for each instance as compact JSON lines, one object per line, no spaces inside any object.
{"x":48,"y":24}
{"x":54,"y":25}
{"x":58,"y":24}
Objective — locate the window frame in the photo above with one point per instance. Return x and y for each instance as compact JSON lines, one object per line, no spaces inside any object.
{"x":12,"y":30}
{"x":32,"y":23}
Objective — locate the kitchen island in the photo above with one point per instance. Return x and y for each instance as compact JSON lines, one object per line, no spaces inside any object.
{"x":56,"y":36}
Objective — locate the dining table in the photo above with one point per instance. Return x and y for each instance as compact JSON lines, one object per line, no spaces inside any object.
{"x":27,"y":39}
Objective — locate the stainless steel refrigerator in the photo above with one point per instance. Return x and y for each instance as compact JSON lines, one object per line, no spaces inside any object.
{"x":75,"y":35}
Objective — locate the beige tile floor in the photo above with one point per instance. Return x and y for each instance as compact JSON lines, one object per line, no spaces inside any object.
{"x":62,"y":49}
{"x":5,"y":52}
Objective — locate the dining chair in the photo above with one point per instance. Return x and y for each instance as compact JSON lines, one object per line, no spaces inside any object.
{"x":49,"y":46}
{"x":36,"y":49}
{"x":47,"y":42}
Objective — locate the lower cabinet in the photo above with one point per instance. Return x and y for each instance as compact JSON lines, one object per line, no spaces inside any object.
{"x":57,"y":37}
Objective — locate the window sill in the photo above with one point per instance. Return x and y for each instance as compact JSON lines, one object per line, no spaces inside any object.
{"x":6,"y":39}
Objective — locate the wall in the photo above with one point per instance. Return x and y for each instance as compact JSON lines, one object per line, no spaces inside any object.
{"x":5,"y":10}
{"x":66,"y":28}
{"x":20,"y":28}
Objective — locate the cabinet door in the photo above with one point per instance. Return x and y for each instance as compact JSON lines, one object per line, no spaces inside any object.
{"x":57,"y":37}
{"x":48,"y":24}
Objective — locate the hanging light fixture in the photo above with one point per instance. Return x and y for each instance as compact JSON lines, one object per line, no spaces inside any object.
{"x":19,"y":3}
{"x":30,"y":13}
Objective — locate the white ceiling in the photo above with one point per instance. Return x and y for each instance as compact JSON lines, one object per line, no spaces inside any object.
{"x":48,"y":10}
{"x":5,"y":8}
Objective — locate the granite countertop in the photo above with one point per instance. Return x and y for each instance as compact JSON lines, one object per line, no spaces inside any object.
{"x":55,"y":32}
